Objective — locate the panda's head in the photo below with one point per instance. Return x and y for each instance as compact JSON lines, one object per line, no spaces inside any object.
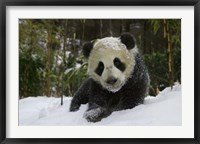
{"x":111,"y":60}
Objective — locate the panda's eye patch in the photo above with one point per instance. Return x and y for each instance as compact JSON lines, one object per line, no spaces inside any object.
{"x":100,"y":68}
{"x":120,"y":65}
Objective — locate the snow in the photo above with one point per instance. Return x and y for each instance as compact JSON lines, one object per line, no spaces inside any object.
{"x":163,"y":110}
{"x":59,"y":60}
{"x":77,"y":66}
{"x":111,"y":42}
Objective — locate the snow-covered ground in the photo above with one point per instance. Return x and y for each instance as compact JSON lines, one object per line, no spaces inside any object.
{"x":163,"y":110}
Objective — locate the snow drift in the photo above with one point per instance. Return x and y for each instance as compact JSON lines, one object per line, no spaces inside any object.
{"x":163,"y":110}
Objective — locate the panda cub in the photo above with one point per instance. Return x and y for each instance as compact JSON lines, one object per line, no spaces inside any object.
{"x":118,"y":78}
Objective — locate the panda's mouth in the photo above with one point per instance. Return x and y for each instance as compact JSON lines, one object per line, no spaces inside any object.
{"x":113,"y":87}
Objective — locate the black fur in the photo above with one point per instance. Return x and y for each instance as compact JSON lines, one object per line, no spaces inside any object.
{"x":128,"y":39}
{"x":87,"y":47}
{"x":100,"y":68}
{"x":104,"y":102}
{"x":120,"y":65}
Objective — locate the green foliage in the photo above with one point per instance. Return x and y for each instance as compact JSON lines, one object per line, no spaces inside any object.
{"x":31,"y":60}
{"x":175,"y":26}
{"x":73,"y":78}
{"x":156,"y":24}
{"x":170,"y":31}
{"x":177,"y":64}
{"x":31,"y":78}
{"x":157,"y":66}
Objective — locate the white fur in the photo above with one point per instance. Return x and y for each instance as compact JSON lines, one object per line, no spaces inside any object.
{"x":106,"y":50}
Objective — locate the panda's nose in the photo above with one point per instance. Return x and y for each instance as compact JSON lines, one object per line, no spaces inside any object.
{"x":111,"y":80}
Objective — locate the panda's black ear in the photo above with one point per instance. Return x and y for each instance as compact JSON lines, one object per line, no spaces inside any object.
{"x":128,"y":39}
{"x":87,"y":47}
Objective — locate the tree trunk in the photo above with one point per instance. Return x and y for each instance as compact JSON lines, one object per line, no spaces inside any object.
{"x":110,"y":27}
{"x":64,"y":57}
{"x":83,"y":32}
{"x":123,"y":26}
{"x":28,"y":68}
{"x":49,"y":47}
{"x":101,"y":27}
{"x":170,"y":52}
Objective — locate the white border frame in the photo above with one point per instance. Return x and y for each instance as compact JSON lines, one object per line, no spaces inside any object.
{"x":186,"y":13}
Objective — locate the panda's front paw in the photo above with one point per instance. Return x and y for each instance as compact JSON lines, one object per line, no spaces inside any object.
{"x":93,"y":115}
{"x":74,"y":107}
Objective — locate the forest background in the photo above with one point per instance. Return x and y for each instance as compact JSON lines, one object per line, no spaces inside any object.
{"x":50,"y":52}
